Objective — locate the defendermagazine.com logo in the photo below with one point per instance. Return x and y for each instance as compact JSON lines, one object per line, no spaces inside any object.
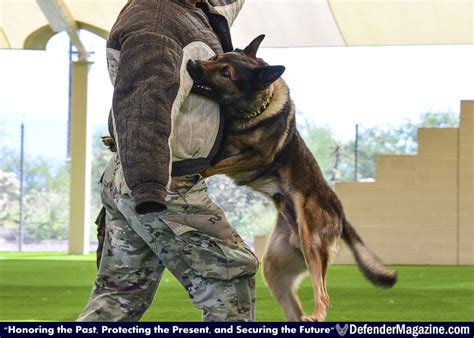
{"x":342,"y":330}
{"x":400,"y":329}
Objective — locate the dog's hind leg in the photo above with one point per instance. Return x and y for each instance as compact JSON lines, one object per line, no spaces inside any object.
{"x":283,"y":267}
{"x":318,"y":233}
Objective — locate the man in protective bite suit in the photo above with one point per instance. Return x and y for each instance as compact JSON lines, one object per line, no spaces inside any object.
{"x":158,"y":213}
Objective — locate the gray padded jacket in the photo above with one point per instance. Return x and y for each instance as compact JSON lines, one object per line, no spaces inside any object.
{"x":159,"y":127}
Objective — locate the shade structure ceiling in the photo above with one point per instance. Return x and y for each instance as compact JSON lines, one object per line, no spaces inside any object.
{"x":287,"y":23}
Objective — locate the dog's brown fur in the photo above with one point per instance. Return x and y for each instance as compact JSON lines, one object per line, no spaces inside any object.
{"x":267,"y":153}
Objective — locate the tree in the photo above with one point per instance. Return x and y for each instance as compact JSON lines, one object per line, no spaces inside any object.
{"x":320,"y":142}
{"x":47,"y":180}
{"x":9,"y":196}
{"x":399,"y":139}
{"x":46,"y":194}
{"x":47,"y":213}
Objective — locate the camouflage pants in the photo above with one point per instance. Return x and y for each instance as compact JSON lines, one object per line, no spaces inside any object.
{"x":191,"y":238}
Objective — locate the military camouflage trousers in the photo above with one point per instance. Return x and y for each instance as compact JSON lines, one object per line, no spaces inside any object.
{"x":191,"y":238}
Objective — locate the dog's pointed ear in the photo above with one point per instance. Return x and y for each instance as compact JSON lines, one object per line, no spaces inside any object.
{"x":252,"y":48}
{"x":265,"y":76}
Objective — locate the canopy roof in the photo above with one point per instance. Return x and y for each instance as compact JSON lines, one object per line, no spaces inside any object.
{"x":287,"y":23}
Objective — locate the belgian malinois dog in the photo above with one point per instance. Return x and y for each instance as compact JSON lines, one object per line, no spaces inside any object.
{"x":263,"y":150}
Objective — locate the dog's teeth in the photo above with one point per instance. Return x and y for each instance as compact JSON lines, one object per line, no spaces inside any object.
{"x":203,"y":87}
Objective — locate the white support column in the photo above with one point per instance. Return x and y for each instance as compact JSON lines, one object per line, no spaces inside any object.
{"x":79,"y":218}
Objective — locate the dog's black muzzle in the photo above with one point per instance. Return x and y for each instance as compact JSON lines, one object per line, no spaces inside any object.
{"x":200,"y":86}
{"x":194,"y":69}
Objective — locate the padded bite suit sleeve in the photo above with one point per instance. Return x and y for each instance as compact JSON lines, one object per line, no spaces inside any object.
{"x":145,"y":102}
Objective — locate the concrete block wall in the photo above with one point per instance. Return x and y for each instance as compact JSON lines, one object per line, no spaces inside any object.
{"x":420,"y":209}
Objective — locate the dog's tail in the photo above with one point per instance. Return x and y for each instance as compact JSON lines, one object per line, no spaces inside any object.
{"x":371,"y":266}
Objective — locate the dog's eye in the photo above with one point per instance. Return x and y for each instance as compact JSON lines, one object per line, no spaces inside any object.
{"x":225,"y":72}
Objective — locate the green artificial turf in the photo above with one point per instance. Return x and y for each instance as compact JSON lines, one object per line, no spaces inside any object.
{"x":55,"y":287}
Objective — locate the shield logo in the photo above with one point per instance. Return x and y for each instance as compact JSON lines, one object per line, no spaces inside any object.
{"x":342,"y":330}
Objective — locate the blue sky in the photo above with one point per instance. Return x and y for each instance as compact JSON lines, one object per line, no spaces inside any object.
{"x":334,"y":86}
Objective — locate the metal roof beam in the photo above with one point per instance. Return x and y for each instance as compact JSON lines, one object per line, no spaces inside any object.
{"x":60,"y":19}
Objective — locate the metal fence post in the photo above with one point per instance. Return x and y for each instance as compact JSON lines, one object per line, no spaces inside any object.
{"x":22,"y":157}
{"x":356,"y":153}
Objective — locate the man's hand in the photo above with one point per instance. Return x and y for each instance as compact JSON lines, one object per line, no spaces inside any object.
{"x":109,"y":142}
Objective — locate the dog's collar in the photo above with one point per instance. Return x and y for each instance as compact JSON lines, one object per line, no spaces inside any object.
{"x":260,"y":110}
